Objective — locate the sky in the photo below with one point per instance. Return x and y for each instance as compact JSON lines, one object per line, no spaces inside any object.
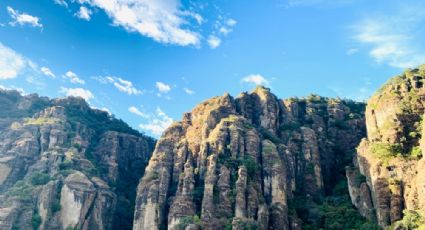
{"x":149,"y":61}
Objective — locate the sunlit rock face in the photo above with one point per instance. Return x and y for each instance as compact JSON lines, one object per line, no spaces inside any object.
{"x":244,"y":162}
{"x":390,"y":158}
{"x":64,"y":165}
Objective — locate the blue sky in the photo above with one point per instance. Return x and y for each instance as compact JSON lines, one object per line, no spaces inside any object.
{"x":147,"y":61}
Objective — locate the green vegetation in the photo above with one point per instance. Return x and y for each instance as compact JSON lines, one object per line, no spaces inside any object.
{"x":341,"y":125}
{"x":385,"y":151}
{"x":97,"y":120}
{"x":152,"y":176}
{"x":22,"y":191}
{"x":313,"y":98}
{"x":188,"y":220}
{"x":36,"y":220}
{"x":269,"y":136}
{"x":411,"y":220}
{"x":289,"y":127}
{"x":334,"y":212}
{"x":39,"y":178}
{"x":251,"y":165}
{"x":416,"y":153}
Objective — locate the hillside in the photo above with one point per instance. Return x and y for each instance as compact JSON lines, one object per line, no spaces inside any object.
{"x":64,"y":165}
{"x":391,"y":157}
{"x":254,"y":162}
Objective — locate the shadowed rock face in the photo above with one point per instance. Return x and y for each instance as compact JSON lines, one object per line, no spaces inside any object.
{"x":64,"y":165}
{"x":241,"y":162}
{"x":390,"y":157}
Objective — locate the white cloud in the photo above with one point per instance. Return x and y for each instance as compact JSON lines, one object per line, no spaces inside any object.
{"x":231,"y":22}
{"x":157,"y":123}
{"x":162,"y":87}
{"x":77,"y":92}
{"x":392,"y":39}
{"x":61,"y":2}
{"x":84,"y":13}
{"x":162,"y":20}
{"x":73,"y":78}
{"x":23,"y":18}
{"x":213,"y":41}
{"x":126,"y":87}
{"x":189,"y":91}
{"x":256,"y":79}
{"x":11,"y":63}
{"x":352,"y":51}
{"x":136,"y":111}
{"x":46,"y":71}
{"x":119,"y":83}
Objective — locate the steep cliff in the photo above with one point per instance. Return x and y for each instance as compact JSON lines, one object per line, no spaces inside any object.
{"x":254,"y":162}
{"x":391,"y":156}
{"x":64,"y":165}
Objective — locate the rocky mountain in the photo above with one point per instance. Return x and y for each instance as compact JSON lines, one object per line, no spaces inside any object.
{"x":64,"y":165}
{"x":390,"y":160}
{"x":248,"y":162}
{"x":254,"y":162}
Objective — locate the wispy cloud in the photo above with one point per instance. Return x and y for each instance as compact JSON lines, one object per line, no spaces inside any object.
{"x":393,"y":39}
{"x":222,"y":28}
{"x":84,"y":13}
{"x":73,"y":78}
{"x":213,"y":41}
{"x":11,"y":63}
{"x":256,"y":79}
{"x":157,"y":123}
{"x":163,"y":20}
{"x":122,"y":85}
{"x":188,"y":91}
{"x":77,"y":92}
{"x":352,"y":51}
{"x":162,"y":87}
{"x":23,"y":18}
{"x":61,"y":2}
{"x":46,"y":71}
{"x":136,"y":111}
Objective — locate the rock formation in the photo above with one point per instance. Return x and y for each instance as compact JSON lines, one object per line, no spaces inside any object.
{"x":64,"y":165}
{"x":390,"y":158}
{"x":246,"y":162}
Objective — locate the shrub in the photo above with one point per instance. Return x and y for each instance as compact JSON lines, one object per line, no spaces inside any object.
{"x":385,"y":150}
{"x":39,"y":178}
{"x":411,"y":220}
{"x":56,"y":207}
{"x":251,"y":166}
{"x":36,"y":220}
{"x":21,"y":190}
{"x":416,"y":153}
{"x":188,"y":220}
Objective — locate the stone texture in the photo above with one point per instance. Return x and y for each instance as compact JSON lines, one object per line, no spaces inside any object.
{"x":394,"y":118}
{"x":63,"y":164}
{"x":239,"y":161}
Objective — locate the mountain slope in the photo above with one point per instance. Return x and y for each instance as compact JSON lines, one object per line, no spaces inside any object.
{"x":391,"y":156}
{"x":64,"y":165}
{"x":254,"y":161}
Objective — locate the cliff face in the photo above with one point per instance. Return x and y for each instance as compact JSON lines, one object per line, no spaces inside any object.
{"x":64,"y":165}
{"x":391,"y":156}
{"x":254,"y":161}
